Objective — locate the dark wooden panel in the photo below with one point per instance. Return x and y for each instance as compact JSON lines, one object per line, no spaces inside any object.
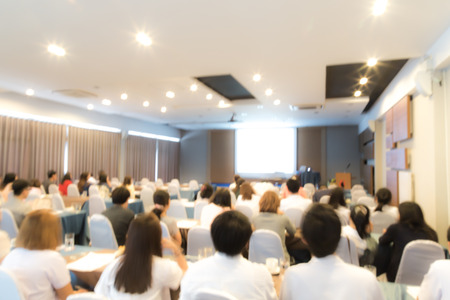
{"x":397,"y":159}
{"x":309,"y":147}
{"x":369,"y":150}
{"x":402,"y":120}
{"x":389,"y":143}
{"x":222,"y":156}
{"x":392,"y":185}
{"x":368,"y":178}
{"x":389,"y":122}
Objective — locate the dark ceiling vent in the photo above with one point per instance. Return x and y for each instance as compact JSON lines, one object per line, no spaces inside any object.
{"x":75,"y":93}
{"x":227,"y":86}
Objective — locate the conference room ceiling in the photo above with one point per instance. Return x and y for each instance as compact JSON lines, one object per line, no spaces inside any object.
{"x":291,"y":44}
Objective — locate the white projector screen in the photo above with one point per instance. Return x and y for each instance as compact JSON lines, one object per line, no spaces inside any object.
{"x":266,"y":152}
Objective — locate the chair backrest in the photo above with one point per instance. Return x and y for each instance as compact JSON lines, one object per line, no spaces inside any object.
{"x":53,"y":189}
{"x":147,"y":198}
{"x":72,"y":190}
{"x":246,"y":210}
{"x":102,"y":233}
{"x":309,"y":189}
{"x":93,"y":190}
{"x":8,"y":223}
{"x":198,"y":207}
{"x":357,"y":187}
{"x":325,"y":199}
{"x":9,"y":286}
{"x":233,"y":197}
{"x":356,"y":194}
{"x":151,"y":185}
{"x":264,"y":244}
{"x":173,"y":191}
{"x":212,"y":294}
{"x":86,"y":296}
{"x":177,"y":210}
{"x":96,"y":205}
{"x":381,"y":221}
{"x":416,"y":259}
{"x":346,"y":250}
{"x":295,"y":214}
{"x":367,"y":201}
{"x":176,"y":182}
{"x":193,"y":184}
{"x":57,"y":202}
{"x":33,"y":195}
{"x":159,"y":182}
{"x":166,"y":235}
{"x":144,"y":181}
{"x":198,"y":238}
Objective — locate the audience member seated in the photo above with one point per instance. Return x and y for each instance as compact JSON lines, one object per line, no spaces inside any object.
{"x":17,"y":205}
{"x":52,"y":178}
{"x":323,"y":192}
{"x":83,"y":184}
{"x":293,"y":198}
{"x":128,"y":183}
{"x":337,"y":201}
{"x":162,"y":203}
{"x":233,"y":184}
{"x":104,"y":187}
{"x":383,"y":199}
{"x":248,"y":198}
{"x":65,"y":181}
{"x":411,"y":226}
{"x":6,"y":185}
{"x":119,"y":215}
{"x":35,"y":186}
{"x":326,"y":276}
{"x":141,"y":272}
{"x":220,"y":201}
{"x":301,"y":191}
{"x":227,"y":270}
{"x":205,"y":192}
{"x":359,"y":231}
{"x":41,"y":270}
{"x":270,"y":219}
{"x":5,"y":244}
{"x":436,"y":283}
{"x":237,"y":188}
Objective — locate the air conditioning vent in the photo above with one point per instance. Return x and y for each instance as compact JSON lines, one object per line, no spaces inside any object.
{"x":75,"y":93}
{"x":305,"y":107}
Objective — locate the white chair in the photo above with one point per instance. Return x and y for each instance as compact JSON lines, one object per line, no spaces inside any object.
{"x":233,"y":197}
{"x":165,"y":234}
{"x":144,"y":181}
{"x":159,"y":182}
{"x":357,"y":187}
{"x":43,"y":190}
{"x":96,"y":205}
{"x":212,"y":294}
{"x":367,"y":201}
{"x":325,"y":199}
{"x":309,"y":189}
{"x":151,"y":185}
{"x":193,"y":184}
{"x":198,"y":207}
{"x":176,"y":182}
{"x":295,"y":214}
{"x":102,"y":233}
{"x":86,"y":296}
{"x":33,"y":195}
{"x":176,"y":210}
{"x":346,"y":250}
{"x":53,"y":189}
{"x":9,"y":286}
{"x":147,"y":199}
{"x":93,"y":190}
{"x":357,"y":194}
{"x":416,"y":259}
{"x":381,"y":221}
{"x":264,"y":244}
{"x":115,"y":179}
{"x":174,"y":191}
{"x":72,"y":190}
{"x":8,"y":223}
{"x":198,"y":238}
{"x":57,"y":202}
{"x":246,"y":210}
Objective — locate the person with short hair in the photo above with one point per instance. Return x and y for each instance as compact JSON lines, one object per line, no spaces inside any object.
{"x":227,"y":270}
{"x":52,"y":178}
{"x":5,"y":187}
{"x":17,"y":204}
{"x":141,"y":272}
{"x":436,"y":283}
{"x":220,"y":201}
{"x":162,"y":203}
{"x":326,"y":276}
{"x":205,"y":192}
{"x":293,"y":198}
{"x":119,"y":214}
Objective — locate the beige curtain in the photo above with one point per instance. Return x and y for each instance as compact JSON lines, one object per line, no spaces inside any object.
{"x":31,"y":148}
{"x":168,"y":160}
{"x":92,"y":151}
{"x":140,"y":157}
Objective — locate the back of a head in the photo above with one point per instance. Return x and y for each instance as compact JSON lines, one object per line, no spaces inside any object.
{"x":221,"y":197}
{"x":337,"y":198}
{"x":206,"y":191}
{"x":8,"y":178}
{"x":120,"y":195}
{"x":230,"y":232}
{"x":66,"y":176}
{"x":236,"y":177}
{"x":384,"y":197}
{"x":269,"y":202}
{"x":35,"y":182}
{"x":321,"y":229}
{"x":19,"y":186}
{"x":144,"y":235}
{"x":246,"y":191}
{"x":50,"y":173}
{"x":160,"y":198}
{"x":360,"y":215}
{"x":103,"y":177}
{"x":127,"y":180}
{"x":411,"y":214}
{"x":293,"y":185}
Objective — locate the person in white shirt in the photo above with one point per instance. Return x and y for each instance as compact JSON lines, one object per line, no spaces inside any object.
{"x":383,"y":199}
{"x":294,"y":199}
{"x":17,"y":204}
{"x":141,"y":272}
{"x":436,"y":283}
{"x":248,"y":198}
{"x":227,"y":271}
{"x":337,"y":201}
{"x":220,"y":202}
{"x":326,"y":276}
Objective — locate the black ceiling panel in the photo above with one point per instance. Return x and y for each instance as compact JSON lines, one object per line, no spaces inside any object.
{"x":227,"y":86}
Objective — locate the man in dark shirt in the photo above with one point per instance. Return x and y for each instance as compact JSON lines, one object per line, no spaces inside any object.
{"x":119,"y":215}
{"x":52,"y":178}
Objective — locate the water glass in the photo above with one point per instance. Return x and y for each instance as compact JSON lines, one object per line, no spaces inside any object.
{"x":69,"y":241}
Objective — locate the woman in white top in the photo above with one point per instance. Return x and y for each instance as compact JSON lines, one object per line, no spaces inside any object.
{"x":248,"y":198}
{"x":128,"y":183}
{"x":383,"y":199}
{"x":337,"y":201}
{"x":141,"y":272}
{"x":162,"y":203}
{"x":41,"y":270}
{"x":220,"y":202}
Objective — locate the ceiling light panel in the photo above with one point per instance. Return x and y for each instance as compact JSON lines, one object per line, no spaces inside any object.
{"x":124,"y":96}
{"x":56,"y":50}
{"x":143,"y":39}
{"x":29,"y":92}
{"x":106,"y":102}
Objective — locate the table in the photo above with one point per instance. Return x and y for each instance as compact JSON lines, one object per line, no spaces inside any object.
{"x":69,"y":201}
{"x":187,"y":193}
{"x":76,"y":222}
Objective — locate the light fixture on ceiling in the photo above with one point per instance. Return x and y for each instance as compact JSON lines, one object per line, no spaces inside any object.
{"x":223,"y":104}
{"x":276,"y":102}
{"x":124,"y":96}
{"x":106,"y":102}
{"x":194,"y":87}
{"x":145,"y":103}
{"x":256,"y":77}
{"x":163,"y":109}
{"x":363,"y":80}
{"x":209,"y":97}
{"x":372,"y":62}
{"x":269,"y":92}
{"x":170,"y":94}
{"x":56,"y":50}
{"x":143,"y":39}
{"x":379,"y":7}
{"x":357,"y":93}
{"x":90,"y":106}
{"x":29,"y":92}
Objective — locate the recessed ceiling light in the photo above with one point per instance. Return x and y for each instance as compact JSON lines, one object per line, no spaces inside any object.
{"x":143,"y":38}
{"x":379,"y":7}
{"x":146,"y":103}
{"x":170,"y":94}
{"x":269,"y":92}
{"x":90,"y":106}
{"x":124,"y":96}
{"x":29,"y":92}
{"x":256,"y":77}
{"x":56,"y":50}
{"x":276,"y":102}
{"x":163,"y":109}
{"x":193,"y":87}
{"x":209,"y":97}
{"x":106,"y":102}
{"x":372,"y":62}
{"x":357,"y":93}
{"x":363,"y":80}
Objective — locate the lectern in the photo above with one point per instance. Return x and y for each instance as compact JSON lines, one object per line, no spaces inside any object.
{"x":346,"y":178}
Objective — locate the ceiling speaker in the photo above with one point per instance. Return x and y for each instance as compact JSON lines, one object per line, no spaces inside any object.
{"x":423,"y":83}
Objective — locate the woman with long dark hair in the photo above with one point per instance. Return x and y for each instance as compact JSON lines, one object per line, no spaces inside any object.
{"x":337,"y":201}
{"x":141,"y":272}
{"x":65,"y":181}
{"x":383,"y":199}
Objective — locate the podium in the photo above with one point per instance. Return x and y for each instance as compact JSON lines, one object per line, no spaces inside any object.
{"x":346,"y":178}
